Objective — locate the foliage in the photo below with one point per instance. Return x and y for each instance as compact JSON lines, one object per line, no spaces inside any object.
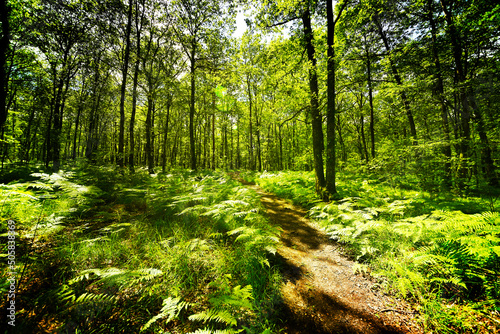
{"x":440,"y":251}
{"x":197,"y":242}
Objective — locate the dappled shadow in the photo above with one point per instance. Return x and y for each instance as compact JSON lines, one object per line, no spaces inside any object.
{"x":321,"y":293}
{"x":296,"y":232}
{"x":321,"y":313}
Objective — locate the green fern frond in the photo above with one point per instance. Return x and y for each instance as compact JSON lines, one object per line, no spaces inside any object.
{"x":171,"y":309}
{"x":95,"y":298}
{"x":220,"y":316}
{"x":217,"y":331}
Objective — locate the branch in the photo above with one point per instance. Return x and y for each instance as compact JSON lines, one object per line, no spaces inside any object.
{"x":282,"y":22}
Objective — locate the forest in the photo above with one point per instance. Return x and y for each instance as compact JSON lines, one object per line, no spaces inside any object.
{"x":146,"y":147}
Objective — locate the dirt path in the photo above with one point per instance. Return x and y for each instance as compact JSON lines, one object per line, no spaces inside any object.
{"x":321,"y":292}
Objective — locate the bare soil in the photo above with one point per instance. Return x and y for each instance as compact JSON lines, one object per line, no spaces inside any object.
{"x":321,"y":292}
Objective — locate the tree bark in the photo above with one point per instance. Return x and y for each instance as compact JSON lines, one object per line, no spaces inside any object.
{"x":121,"y":134}
{"x":468,"y":101}
{"x":316,"y":121}
{"x":4,"y":47}
{"x":165,"y":137}
{"x":192,"y":143}
{"x":370,"y":98}
{"x":439,"y":89}
{"x":399,"y":81}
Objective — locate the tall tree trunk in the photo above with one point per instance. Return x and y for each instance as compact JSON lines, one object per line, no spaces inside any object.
{"x":4,"y":47}
{"x":439,"y":89}
{"x":121,"y":134}
{"x":213,"y":131}
{"x":399,"y":81}
{"x":370,"y":98}
{"x":149,"y":144}
{"x":259,"y":155}
{"x":134,"y":97}
{"x":316,"y":121}
{"x":250,"y":123}
{"x":467,"y":98}
{"x":165,"y":137}
{"x":192,"y":141}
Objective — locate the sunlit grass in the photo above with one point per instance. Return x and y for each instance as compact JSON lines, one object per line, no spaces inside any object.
{"x":419,"y":245}
{"x":123,"y":244}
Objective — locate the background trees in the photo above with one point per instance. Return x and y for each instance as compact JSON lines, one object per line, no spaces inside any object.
{"x":408,"y":88}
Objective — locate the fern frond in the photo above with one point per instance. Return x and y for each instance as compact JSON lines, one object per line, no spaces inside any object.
{"x":217,"y":331}
{"x":171,"y":309}
{"x":220,"y":316}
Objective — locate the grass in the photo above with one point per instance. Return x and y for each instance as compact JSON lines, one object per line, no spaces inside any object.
{"x":180,"y":252}
{"x":439,"y":250}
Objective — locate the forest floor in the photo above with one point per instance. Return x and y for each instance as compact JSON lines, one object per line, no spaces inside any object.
{"x":321,"y":291}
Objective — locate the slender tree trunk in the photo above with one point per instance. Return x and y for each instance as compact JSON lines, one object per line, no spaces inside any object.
{"x":439,"y":88}
{"x":399,"y":81}
{"x":213,"y":131}
{"x":370,"y":98}
{"x":238,"y":155}
{"x":192,"y":141}
{"x":4,"y":47}
{"x":330,"y":114}
{"x":134,"y":103}
{"x":316,"y":121}
{"x":149,"y":144}
{"x":469,"y":105}
{"x":121,"y":134}
{"x":363,"y":138}
{"x":250,"y":123}
{"x":165,"y":137}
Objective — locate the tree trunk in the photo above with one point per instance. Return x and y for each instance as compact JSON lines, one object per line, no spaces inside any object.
{"x":439,"y":89}
{"x":316,"y":121}
{"x":370,"y":98}
{"x":149,"y":144}
{"x":250,"y":130}
{"x":134,"y":98}
{"x":330,"y":114}
{"x":121,"y":134}
{"x":4,"y":47}
{"x":213,"y":131}
{"x":397,"y":77}
{"x":165,"y":137}
{"x":192,"y":142}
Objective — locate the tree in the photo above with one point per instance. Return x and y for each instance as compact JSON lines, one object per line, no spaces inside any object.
{"x":198,"y":25}
{"x":330,"y":115}
{"x":4,"y":47}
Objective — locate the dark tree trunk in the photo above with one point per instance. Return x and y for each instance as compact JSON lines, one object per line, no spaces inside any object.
{"x":250,"y":124}
{"x":370,"y":98}
{"x":213,"y":132}
{"x":165,"y":137}
{"x":134,"y":102}
{"x":468,"y":101}
{"x":121,"y":134}
{"x":192,"y":141}
{"x":439,"y":89}
{"x":316,"y":121}
{"x":4,"y":47}
{"x":399,"y":81}
{"x":330,"y":114}
{"x":149,"y":143}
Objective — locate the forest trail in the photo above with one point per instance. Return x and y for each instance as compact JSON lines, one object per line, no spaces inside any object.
{"x":321,"y":292}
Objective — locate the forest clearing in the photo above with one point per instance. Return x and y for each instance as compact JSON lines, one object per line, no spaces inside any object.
{"x":274,"y":166}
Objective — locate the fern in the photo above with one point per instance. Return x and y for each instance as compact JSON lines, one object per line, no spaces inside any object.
{"x":218,"y":315}
{"x":170,"y":310}
{"x":117,"y":277}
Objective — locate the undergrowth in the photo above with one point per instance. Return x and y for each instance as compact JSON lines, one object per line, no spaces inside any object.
{"x":440,"y":251}
{"x":180,"y":252}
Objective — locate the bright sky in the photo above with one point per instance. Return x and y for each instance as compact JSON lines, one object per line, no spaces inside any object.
{"x":241,"y":25}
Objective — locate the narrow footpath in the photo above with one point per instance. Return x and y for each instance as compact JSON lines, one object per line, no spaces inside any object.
{"x":321,"y":292}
